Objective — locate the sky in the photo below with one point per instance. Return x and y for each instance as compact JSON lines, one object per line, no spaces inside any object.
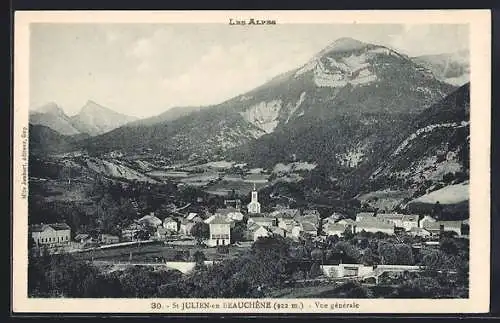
{"x":144,"y":69}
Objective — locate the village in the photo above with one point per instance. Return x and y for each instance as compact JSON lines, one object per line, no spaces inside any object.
{"x":228,"y":230}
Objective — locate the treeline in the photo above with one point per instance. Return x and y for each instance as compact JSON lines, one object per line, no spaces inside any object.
{"x":271,"y":264}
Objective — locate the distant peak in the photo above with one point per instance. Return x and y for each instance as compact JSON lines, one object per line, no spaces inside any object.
{"x":50,"y":107}
{"x":92,"y":102}
{"x":91,"y":105}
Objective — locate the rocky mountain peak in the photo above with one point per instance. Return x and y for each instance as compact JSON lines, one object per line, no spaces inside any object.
{"x":345,"y":44}
{"x":51,"y":108}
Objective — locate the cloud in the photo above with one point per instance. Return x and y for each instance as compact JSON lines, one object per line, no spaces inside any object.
{"x":415,"y":39}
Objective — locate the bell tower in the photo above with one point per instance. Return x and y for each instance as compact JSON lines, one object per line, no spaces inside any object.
{"x":254,"y":205}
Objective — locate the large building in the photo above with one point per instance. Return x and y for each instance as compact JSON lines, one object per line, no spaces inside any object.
{"x":50,"y":235}
{"x":220,"y":232}
{"x":254,"y":205}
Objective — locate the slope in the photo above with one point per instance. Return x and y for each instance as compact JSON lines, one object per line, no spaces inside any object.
{"x":452,"y":68}
{"x":434,"y":154}
{"x":345,"y":89}
{"x":52,"y":116}
{"x":96,"y":119}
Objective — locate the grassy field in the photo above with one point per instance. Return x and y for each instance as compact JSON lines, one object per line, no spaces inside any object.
{"x":240,"y":187}
{"x":147,"y":253}
{"x":60,"y":190}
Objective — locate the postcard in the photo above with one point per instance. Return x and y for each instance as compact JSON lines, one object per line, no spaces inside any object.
{"x":251,"y":162}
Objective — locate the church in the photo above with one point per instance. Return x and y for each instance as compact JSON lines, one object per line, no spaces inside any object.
{"x":254,"y":206}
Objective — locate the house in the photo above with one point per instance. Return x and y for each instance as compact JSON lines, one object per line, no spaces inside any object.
{"x":251,"y":228}
{"x":410,"y":221}
{"x":363,"y":215}
{"x":304,"y":227}
{"x":260,"y":232}
{"x":236,"y":203}
{"x":426,"y":219}
{"x":348,"y":223}
{"x":311,"y":217}
{"x":231,"y":213}
{"x":150,"y":220}
{"x":296,"y":231}
{"x":311,"y":212}
{"x":54,"y":234}
{"x":170,"y":224}
{"x":406,"y":221}
{"x":210,"y":219}
{"x":374,"y":225}
{"x":108,"y":238}
{"x":285,"y":213}
{"x":185,"y":227}
{"x":220,"y":232}
{"x":278,"y":231}
{"x":335,"y":217}
{"x":263,"y":221}
{"x":83,"y":238}
{"x":161,"y":234}
{"x":435,"y":228}
{"x":214,"y":216}
{"x":419,"y":232}
{"x":286,"y":224}
{"x":331,"y":229}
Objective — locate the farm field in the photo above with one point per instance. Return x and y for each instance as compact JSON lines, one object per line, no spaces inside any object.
{"x":240,"y":187}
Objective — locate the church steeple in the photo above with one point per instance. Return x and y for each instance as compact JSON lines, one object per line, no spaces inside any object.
{"x":254,"y":194}
{"x":254,"y":205}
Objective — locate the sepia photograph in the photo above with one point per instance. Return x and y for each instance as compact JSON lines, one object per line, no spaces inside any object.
{"x":317,"y":166}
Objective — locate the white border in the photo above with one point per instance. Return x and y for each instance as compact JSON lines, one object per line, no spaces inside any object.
{"x":480,"y":31}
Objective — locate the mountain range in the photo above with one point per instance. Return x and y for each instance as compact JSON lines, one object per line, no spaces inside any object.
{"x":350,"y":85}
{"x":371,"y":119}
{"x":93,"y":119}
{"x":452,"y":68}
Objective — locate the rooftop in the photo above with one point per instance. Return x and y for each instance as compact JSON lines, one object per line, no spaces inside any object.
{"x":308,"y":226}
{"x":220,"y":220}
{"x":397,"y":216}
{"x":226,"y":211}
{"x":43,"y":227}
{"x":335,"y":226}
{"x":374,"y":223}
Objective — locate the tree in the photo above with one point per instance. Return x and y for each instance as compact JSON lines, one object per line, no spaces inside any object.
{"x":238,"y":231}
{"x":395,"y":254}
{"x":367,"y":258}
{"x":437,"y":210}
{"x":199,"y":256}
{"x":31,"y":242}
{"x":448,"y":246}
{"x":317,"y":254}
{"x":200,"y":231}
{"x":142,"y":235}
{"x":348,"y":234}
{"x":351,"y":253}
{"x":315,"y":270}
